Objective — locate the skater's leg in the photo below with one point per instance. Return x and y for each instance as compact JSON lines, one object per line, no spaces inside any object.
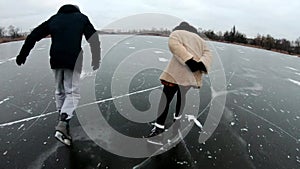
{"x":59,"y":88}
{"x":163,"y":108}
{"x":71,"y":86}
{"x":181,"y":100}
{"x":164,"y":104}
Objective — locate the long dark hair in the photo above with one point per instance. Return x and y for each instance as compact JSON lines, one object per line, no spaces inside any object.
{"x":186,"y":26}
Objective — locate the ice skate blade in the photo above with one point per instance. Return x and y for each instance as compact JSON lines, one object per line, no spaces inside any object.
{"x":60,"y":137}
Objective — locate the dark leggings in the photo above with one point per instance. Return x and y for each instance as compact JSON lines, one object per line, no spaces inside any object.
{"x":166,"y":98}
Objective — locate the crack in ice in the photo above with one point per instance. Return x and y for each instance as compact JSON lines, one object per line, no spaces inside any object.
{"x":88,"y":104}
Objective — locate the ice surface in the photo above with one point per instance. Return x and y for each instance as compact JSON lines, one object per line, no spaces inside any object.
{"x":259,"y":113}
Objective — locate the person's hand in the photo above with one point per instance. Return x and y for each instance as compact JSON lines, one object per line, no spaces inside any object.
{"x":20,"y":60}
{"x":202,"y":66}
{"x":95,"y":66}
{"x":192,"y":64}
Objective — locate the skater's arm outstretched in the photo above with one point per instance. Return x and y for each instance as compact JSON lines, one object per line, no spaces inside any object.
{"x":36,"y":35}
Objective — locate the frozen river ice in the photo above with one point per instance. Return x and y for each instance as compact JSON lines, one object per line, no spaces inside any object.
{"x":259,"y":127}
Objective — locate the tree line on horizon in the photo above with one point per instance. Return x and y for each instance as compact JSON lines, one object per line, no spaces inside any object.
{"x":233,"y":36}
{"x":266,"y":42}
{"x":11,"y":32}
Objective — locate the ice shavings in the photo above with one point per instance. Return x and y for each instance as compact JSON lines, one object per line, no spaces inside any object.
{"x":191,"y":117}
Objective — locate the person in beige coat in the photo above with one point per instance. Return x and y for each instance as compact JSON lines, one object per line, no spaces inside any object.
{"x":191,"y":59}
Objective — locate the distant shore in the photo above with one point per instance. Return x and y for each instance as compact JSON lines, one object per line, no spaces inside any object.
{"x":7,"y":40}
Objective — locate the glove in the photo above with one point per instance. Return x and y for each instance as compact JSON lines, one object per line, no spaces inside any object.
{"x":192,"y":64}
{"x":202,"y":67}
{"x":95,"y":66}
{"x":20,"y":60}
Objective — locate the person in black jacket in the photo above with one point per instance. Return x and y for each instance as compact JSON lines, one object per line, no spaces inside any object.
{"x":66,"y":29}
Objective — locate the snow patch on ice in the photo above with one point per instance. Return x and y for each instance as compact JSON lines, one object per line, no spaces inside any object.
{"x":244,"y":129}
{"x":157,"y":52}
{"x":291,"y":68}
{"x":163,"y":59}
{"x":83,"y":75}
{"x":182,"y":163}
{"x":8,"y":60}
{"x":220,"y":47}
{"x":191,"y":117}
{"x":38,"y":49}
{"x":131,"y":47}
{"x":21,"y":126}
{"x":241,"y":51}
{"x":12,"y":59}
{"x":4,"y":100}
{"x":294,"y":81}
{"x":246,"y":59}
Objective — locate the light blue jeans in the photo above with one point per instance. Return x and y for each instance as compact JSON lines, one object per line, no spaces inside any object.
{"x":67,"y":90}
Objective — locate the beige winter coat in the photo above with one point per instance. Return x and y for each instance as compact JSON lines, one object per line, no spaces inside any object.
{"x":185,"y":45}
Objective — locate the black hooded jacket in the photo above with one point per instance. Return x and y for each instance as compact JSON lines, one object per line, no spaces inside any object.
{"x":66,"y":29}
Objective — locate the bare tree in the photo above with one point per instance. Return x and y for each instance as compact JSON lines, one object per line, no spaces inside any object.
{"x":13,"y":31}
{"x":2,"y":32}
{"x":297,"y":42}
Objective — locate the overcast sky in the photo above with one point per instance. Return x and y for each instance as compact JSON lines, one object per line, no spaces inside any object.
{"x":275,"y":17}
